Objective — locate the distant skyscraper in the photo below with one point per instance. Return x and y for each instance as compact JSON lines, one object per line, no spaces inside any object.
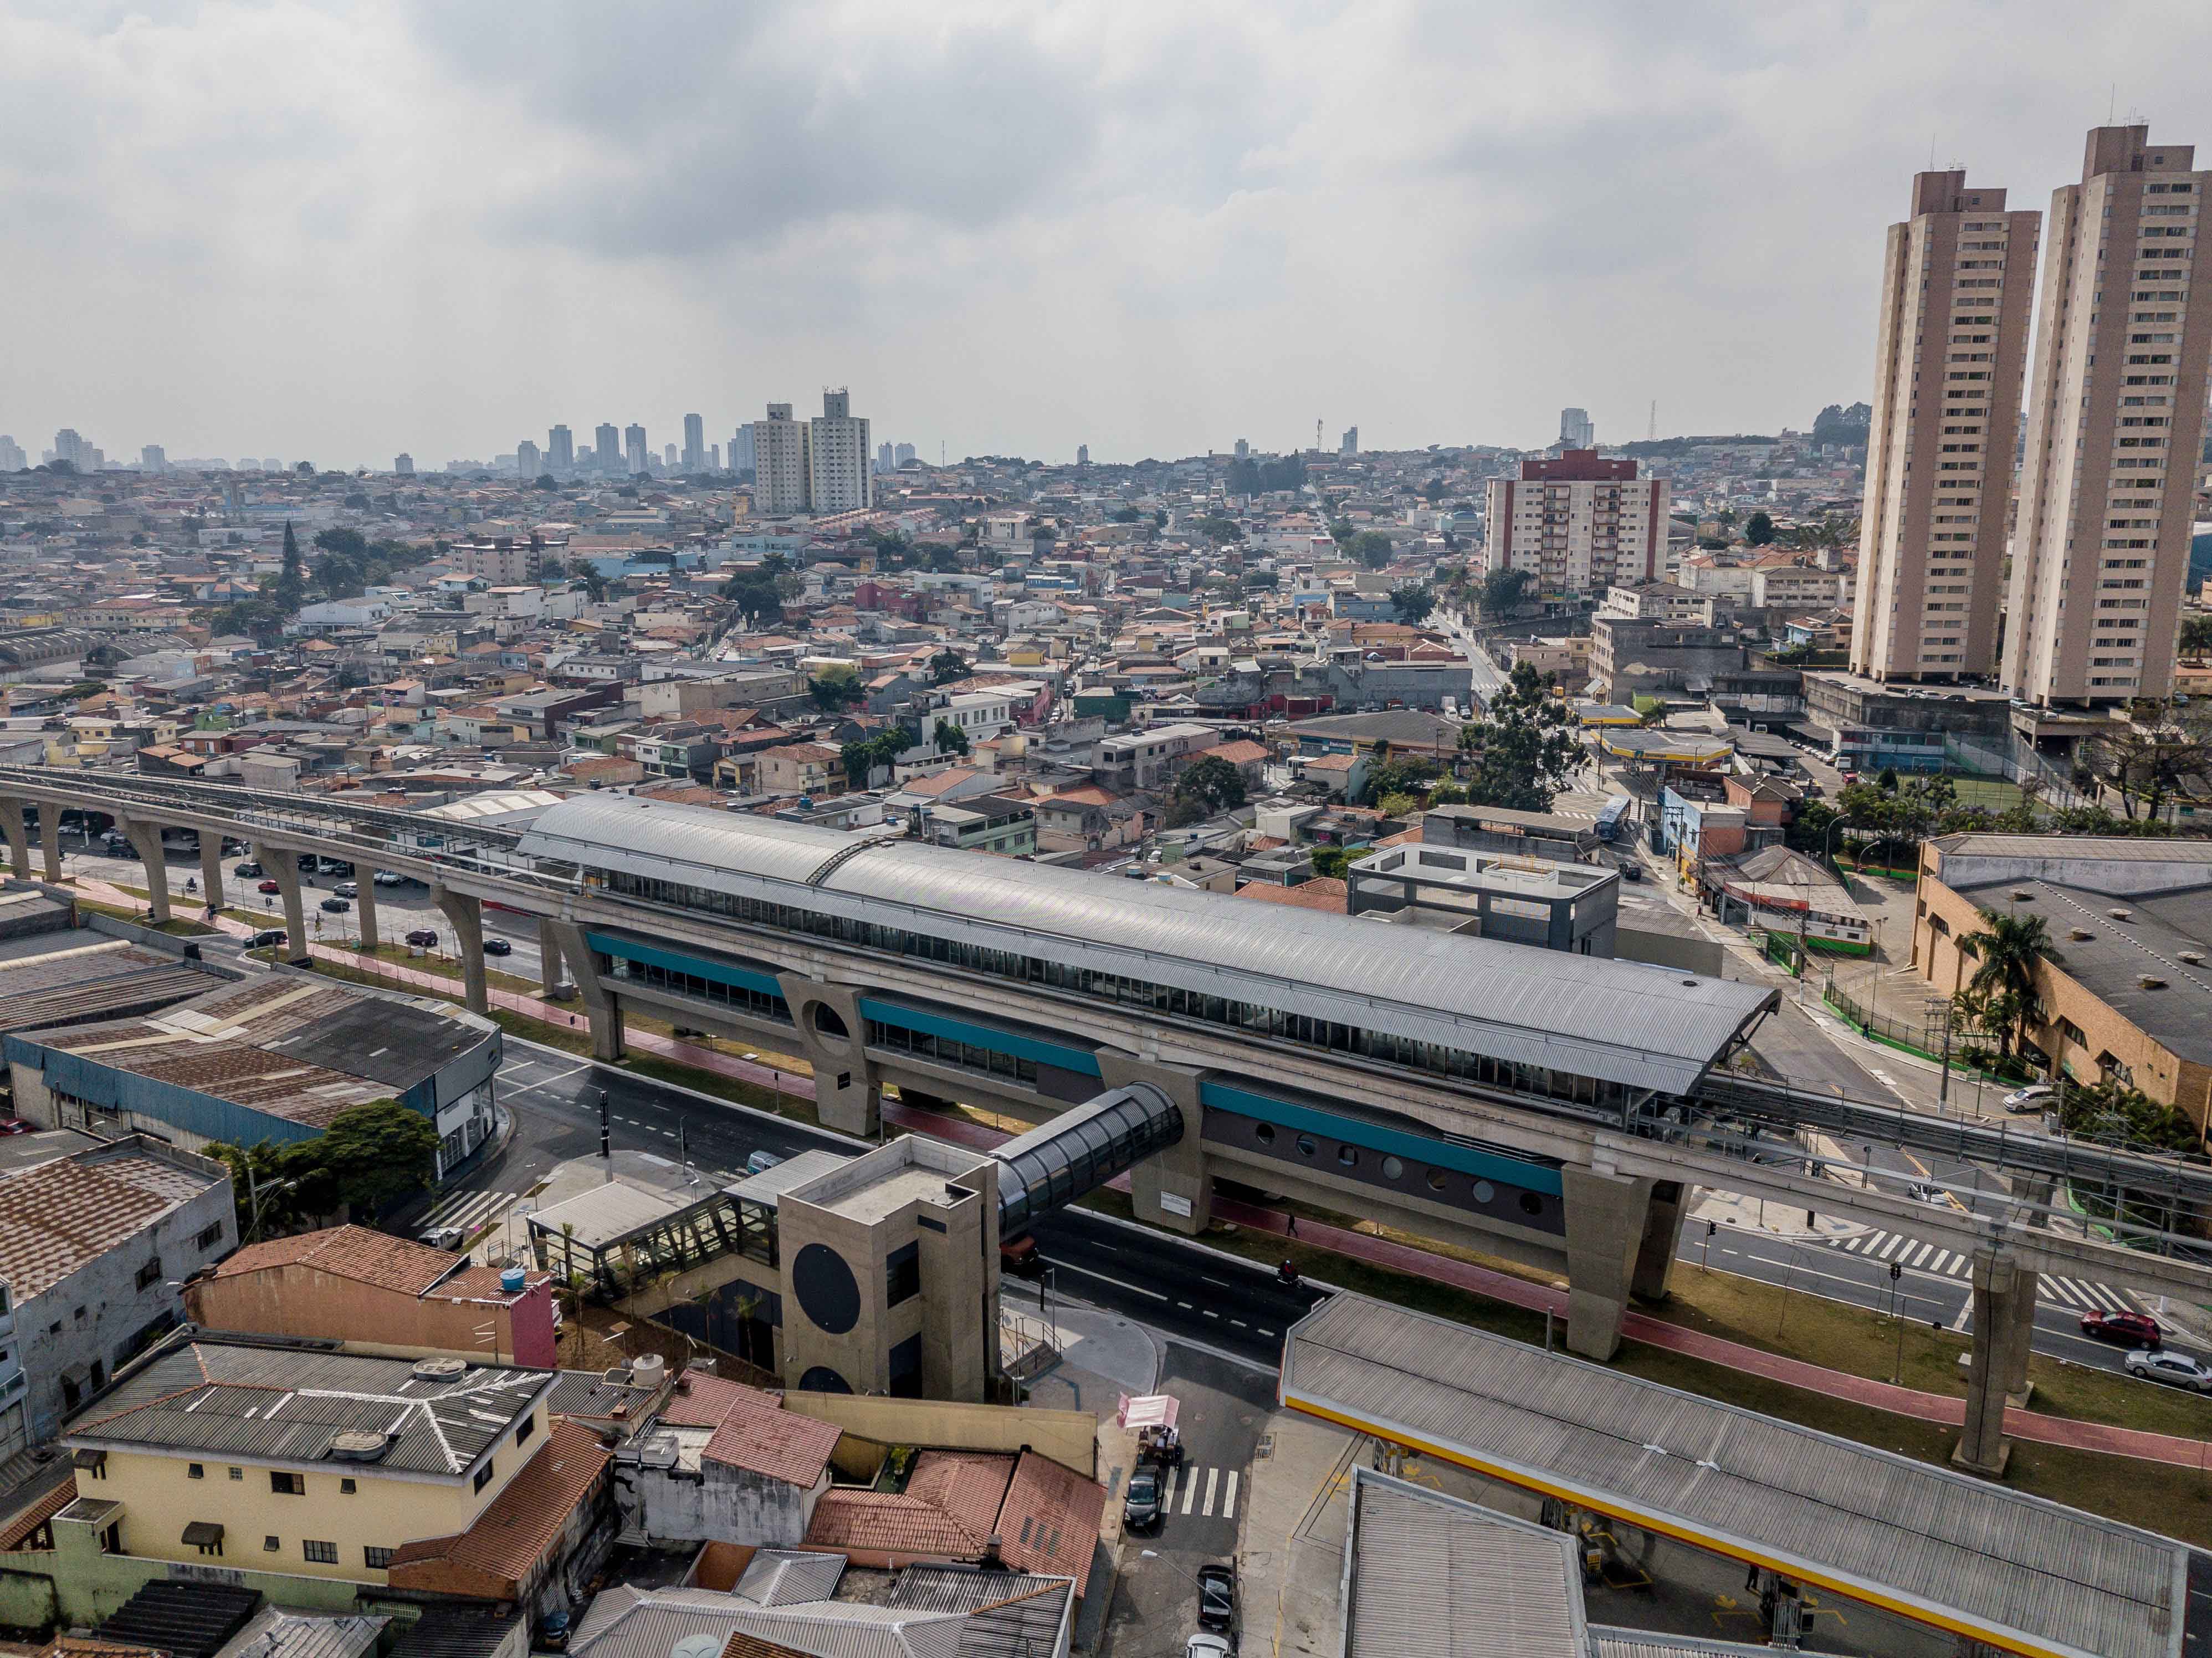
{"x":2115,"y":426}
{"x":528,"y":462}
{"x":741,"y":449}
{"x":1243,"y":449}
{"x":901,"y":455}
{"x":694,"y":444}
{"x":404,"y":464}
{"x":668,"y":456}
{"x":153,"y":457}
{"x":1083,"y":454}
{"x":637,"y":453}
{"x":560,"y":451}
{"x":1576,"y":431}
{"x":713,"y":456}
{"x":12,"y":458}
{"x":884,"y":462}
{"x":779,"y":463}
{"x":837,"y":478}
{"x":1956,"y":285}
{"x":607,"y":444}
{"x":1349,"y":443}
{"x":69,"y":446}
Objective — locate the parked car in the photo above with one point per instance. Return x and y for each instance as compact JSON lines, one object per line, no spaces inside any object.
{"x":423,"y":938}
{"x":332,"y":867}
{"x":496,"y":947}
{"x":442,"y":1237}
{"x":268,"y":938}
{"x":2036,"y":1098}
{"x":1631,"y":871}
{"x":553,"y":1633}
{"x":17,"y":1126}
{"x":761,"y":1162}
{"x":347,"y":889}
{"x":2128,"y":1329}
{"x":1217,"y":1598}
{"x":2175,"y":1370}
{"x":269,"y":886}
{"x":1926,"y":1193}
{"x":335,"y":906}
{"x":1207,"y":1644}
{"x":1143,"y":1503}
{"x":249,"y":871}
{"x":385,"y":877}
{"x":1018,"y":1255}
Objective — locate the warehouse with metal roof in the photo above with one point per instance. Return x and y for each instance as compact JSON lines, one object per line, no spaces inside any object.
{"x":1939,"y":1548}
{"x":1279,"y":971}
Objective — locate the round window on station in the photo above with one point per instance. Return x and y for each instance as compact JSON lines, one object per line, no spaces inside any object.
{"x":1484,"y":1191}
{"x":1435,"y":1179}
{"x":1264,"y":1132}
{"x":1531,"y":1204}
{"x":1305,"y":1146}
{"x":1393,"y":1168}
{"x":1348,"y":1157}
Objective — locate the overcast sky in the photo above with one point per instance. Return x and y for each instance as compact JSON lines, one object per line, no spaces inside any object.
{"x":332,"y":231}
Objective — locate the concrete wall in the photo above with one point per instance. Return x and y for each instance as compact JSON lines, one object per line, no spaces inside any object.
{"x":676,"y":1505}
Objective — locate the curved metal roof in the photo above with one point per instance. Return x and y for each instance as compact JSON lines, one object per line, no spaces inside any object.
{"x":1641,"y":1026}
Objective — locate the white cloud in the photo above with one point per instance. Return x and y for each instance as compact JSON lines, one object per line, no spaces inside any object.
{"x":334,"y":232}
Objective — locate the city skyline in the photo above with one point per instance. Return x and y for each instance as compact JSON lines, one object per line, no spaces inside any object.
{"x":1156,"y":196}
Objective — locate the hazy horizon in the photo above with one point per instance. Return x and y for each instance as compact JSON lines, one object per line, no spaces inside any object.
{"x":331,"y":233}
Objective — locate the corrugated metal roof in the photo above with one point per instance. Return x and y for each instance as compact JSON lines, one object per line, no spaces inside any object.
{"x":1622,"y":1021}
{"x":1635,"y":1643}
{"x":1437,"y":1578}
{"x":1933,"y":1543}
{"x":776,"y":1577}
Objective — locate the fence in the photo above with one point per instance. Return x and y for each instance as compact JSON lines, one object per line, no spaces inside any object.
{"x":1938,"y":1029}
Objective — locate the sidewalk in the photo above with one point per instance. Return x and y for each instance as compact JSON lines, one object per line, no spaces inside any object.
{"x":1360,"y":1246}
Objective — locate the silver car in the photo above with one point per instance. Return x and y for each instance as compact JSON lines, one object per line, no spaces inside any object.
{"x":2175,"y":1370}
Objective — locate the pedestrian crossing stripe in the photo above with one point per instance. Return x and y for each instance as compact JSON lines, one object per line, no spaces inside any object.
{"x":468,"y":1209}
{"x":1901,"y":1251}
{"x":1202,"y":1493}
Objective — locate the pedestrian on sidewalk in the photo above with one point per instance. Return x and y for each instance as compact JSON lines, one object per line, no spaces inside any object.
{"x":1294,"y":1226}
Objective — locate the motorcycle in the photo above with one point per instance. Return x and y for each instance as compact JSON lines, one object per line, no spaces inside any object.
{"x":1287,"y":1276}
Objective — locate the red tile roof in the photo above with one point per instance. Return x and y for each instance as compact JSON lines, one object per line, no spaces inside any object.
{"x":701,"y":1400}
{"x":494,"y":1557}
{"x":350,"y":1252}
{"x":1049,"y":1522}
{"x":886,"y":1522}
{"x":969,"y":1485}
{"x":1322,"y":892}
{"x":759,"y":1435}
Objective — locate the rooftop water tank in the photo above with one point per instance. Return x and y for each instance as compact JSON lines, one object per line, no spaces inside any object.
{"x":512,"y":1280}
{"x":647,"y":1369}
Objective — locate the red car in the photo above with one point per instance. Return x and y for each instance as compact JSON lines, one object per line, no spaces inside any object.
{"x":2128,"y":1329}
{"x":269,"y":886}
{"x":17,"y":1126}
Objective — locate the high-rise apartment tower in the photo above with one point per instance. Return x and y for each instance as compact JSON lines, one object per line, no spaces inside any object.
{"x":1576,"y":431}
{"x":1578,"y":524}
{"x":1951,"y":346}
{"x":837,"y":477}
{"x":779,"y":463}
{"x":694,"y":444}
{"x":2115,"y":424}
{"x":637,"y":454}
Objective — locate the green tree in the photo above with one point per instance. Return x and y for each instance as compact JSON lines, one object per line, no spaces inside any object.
{"x":1125,"y":515}
{"x":1758,"y":530}
{"x":1210,"y":785}
{"x":836,"y":690}
{"x":1217,"y":530}
{"x":1373,"y":548}
{"x":2196,"y":635}
{"x":370,"y":1157}
{"x":1411,"y":775}
{"x":1328,"y":863}
{"x":2120,"y":1115}
{"x":1340,"y":532}
{"x":1523,"y":751}
{"x":948,"y":738}
{"x":756,"y":599}
{"x":290,"y":588}
{"x":864,"y":757}
{"x":947,"y":665}
{"x":1412,"y":602}
{"x":1504,"y":592}
{"x":1397,"y":804}
{"x":2007,"y":950}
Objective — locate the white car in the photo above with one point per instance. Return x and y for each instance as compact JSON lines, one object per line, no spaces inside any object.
{"x":1207,"y":1644}
{"x":2175,"y":1370}
{"x":2038,"y":1096}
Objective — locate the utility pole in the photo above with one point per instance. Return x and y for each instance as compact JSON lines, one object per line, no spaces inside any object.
{"x":606,"y":1139}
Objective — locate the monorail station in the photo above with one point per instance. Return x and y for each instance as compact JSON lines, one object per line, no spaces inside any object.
{"x":1392,"y":1072}
{"x":1584,"y":1477}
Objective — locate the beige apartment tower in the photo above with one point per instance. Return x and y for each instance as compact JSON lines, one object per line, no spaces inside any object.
{"x":779,"y":463}
{"x":2115,"y":424}
{"x":1957,"y":281}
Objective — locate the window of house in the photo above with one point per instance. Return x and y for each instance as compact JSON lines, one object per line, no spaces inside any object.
{"x":903,"y":1274}
{"x":524,"y":1429}
{"x":207,"y":1236}
{"x":238,"y":1473}
{"x":150,"y":1273}
{"x":323,"y":1553}
{"x":372,"y":1555}
{"x":196,"y":1472}
{"x":347,"y":1487}
{"x":483,"y":1478}
{"x":271,"y":1545}
{"x":288,"y":1484}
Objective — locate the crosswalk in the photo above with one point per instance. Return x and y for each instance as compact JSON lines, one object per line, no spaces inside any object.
{"x":1916,"y":1256}
{"x":1195,"y":1491}
{"x":468,"y":1210}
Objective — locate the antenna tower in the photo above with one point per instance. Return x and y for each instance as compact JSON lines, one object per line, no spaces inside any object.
{"x":1316,"y":436}
{"x":1651,"y":432}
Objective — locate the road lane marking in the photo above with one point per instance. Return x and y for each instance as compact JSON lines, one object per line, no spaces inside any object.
{"x":1229,"y":1498}
{"x":1084,"y":1272}
{"x":1189,"y":1490}
{"x":1211,"y":1475}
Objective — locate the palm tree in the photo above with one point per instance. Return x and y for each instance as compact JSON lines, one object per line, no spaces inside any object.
{"x":2009,"y":948}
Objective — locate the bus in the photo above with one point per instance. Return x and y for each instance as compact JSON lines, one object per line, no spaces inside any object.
{"x":1614,"y":820}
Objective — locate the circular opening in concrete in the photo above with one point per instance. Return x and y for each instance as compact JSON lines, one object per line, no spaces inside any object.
{"x":1265,"y":1134}
{"x":1531,"y":1204}
{"x":1305,"y":1146}
{"x":1435,"y":1179}
{"x":829,"y":1021}
{"x":1348,"y":1157}
{"x":827,"y":1292}
{"x":821,"y":1379}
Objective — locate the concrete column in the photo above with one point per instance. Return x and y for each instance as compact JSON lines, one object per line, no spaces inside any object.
{"x":549,"y":959}
{"x":466,"y":914}
{"x":1998,"y":1279}
{"x":50,"y":838}
{"x":365,"y":879}
{"x":1663,"y":1234}
{"x":832,"y":1035}
{"x":283,"y":866}
{"x":147,"y":838}
{"x":19,"y":838}
{"x":1175,"y":1188}
{"x":1606,"y":1216}
{"x":210,"y":868}
{"x":602,"y":1004}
